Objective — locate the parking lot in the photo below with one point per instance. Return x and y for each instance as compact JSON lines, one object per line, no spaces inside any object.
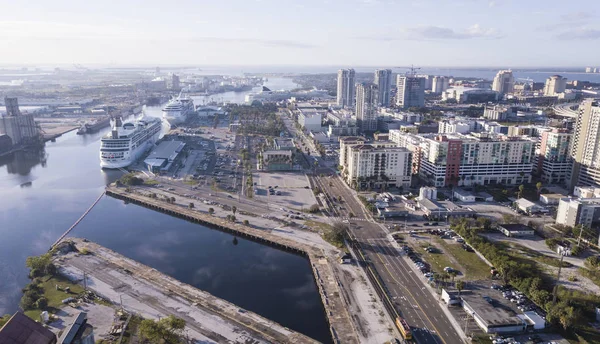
{"x":294,"y":189}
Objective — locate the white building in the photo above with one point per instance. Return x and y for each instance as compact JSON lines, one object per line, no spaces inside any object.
{"x":469,"y":95}
{"x":497,"y":112}
{"x":311,"y":120}
{"x":554,"y":160}
{"x":585,"y":149}
{"x":427,"y":192}
{"x":439,"y":84}
{"x":581,"y":211}
{"x":377,"y":164}
{"x":410,"y":91}
{"x":586,"y":192}
{"x":504,"y":82}
{"x":554,"y":85}
{"x":452,"y":126}
{"x":383,"y":80}
{"x":366,"y":107}
{"x":345,"y":88}
{"x":478,"y":158}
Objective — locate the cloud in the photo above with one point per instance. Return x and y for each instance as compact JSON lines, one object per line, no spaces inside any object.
{"x":492,"y":3}
{"x":433,"y":33}
{"x":576,"y":16}
{"x":259,"y":41}
{"x":579,"y":34}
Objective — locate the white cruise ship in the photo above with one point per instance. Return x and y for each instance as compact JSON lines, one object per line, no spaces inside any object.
{"x":271,"y":96}
{"x":178,"y":109}
{"x":127,"y":141}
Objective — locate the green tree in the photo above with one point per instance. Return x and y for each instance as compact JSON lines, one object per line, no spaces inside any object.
{"x":538,"y":186}
{"x":246,"y":223}
{"x":191,"y":205}
{"x":460,"y":285}
{"x":233,"y":209}
{"x":40,"y":265}
{"x":41,"y":303}
{"x":211,"y":211}
{"x":167,"y":330}
{"x":314,"y":208}
{"x":4,"y":319}
{"x":521,"y":188}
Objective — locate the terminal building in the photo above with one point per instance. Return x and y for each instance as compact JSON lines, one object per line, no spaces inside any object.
{"x":162,"y":156}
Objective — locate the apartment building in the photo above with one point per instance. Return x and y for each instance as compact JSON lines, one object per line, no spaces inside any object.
{"x":554,"y":161}
{"x":376,"y":165}
{"x":478,"y":158}
{"x":345,"y":87}
{"x":366,"y":106}
{"x":410,"y":91}
{"x":345,"y":144}
{"x":585,"y":149}
{"x":582,"y":211}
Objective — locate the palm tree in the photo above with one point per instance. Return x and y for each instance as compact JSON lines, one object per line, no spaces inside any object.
{"x":460,"y":285}
{"x":521,"y":188}
{"x":538,"y":186}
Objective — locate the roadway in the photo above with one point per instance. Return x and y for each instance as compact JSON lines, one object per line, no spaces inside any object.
{"x":405,"y":288}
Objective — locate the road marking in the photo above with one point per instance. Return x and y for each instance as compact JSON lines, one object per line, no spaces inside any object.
{"x":414,"y":299}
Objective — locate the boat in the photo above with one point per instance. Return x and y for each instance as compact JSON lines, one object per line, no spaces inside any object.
{"x":178,"y":109}
{"x":94,"y":126}
{"x":126,"y":142}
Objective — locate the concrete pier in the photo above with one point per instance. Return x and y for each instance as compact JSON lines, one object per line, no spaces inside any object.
{"x":341,"y":327}
{"x":151,"y":294}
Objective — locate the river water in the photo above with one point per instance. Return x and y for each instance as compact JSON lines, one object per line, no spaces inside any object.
{"x":43,"y":193}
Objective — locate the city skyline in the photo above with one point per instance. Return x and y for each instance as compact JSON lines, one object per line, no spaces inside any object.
{"x":461,"y":33}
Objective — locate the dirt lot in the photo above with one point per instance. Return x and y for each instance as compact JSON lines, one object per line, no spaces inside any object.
{"x":292,"y":185}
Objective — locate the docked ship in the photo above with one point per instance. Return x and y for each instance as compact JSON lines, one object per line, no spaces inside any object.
{"x":178,"y":109}
{"x":126,"y":142}
{"x":94,"y":126}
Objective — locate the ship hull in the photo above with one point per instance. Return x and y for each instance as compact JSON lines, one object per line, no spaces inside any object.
{"x":130,"y":156}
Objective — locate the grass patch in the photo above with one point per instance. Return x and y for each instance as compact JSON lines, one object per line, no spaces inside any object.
{"x":539,"y":258}
{"x":481,"y":338}
{"x":593,"y":275}
{"x":475,"y":268}
{"x":151,"y":182}
{"x":583,"y":335}
{"x":317,"y":226}
{"x":54,"y":296}
{"x":190,"y":182}
{"x":132,"y":329}
{"x":438,"y":261}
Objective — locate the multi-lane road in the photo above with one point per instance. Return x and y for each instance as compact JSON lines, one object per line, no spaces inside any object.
{"x":405,"y":288}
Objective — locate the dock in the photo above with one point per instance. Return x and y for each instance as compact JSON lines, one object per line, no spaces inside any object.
{"x":151,"y":294}
{"x":340,"y":323}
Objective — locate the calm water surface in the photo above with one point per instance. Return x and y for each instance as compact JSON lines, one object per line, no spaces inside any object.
{"x":43,"y":193}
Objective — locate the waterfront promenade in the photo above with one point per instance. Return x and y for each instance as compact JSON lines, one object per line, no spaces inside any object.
{"x":341,"y":327}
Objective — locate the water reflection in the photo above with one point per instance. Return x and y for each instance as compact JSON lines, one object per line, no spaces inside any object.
{"x":23,"y":161}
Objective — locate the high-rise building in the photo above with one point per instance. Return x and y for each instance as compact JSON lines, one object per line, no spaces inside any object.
{"x":377,"y":164}
{"x":457,"y":159}
{"x":554,"y":85}
{"x":173,"y":82}
{"x":411,"y":91}
{"x":345,"y":88}
{"x":366,"y":107}
{"x":589,"y":69}
{"x":554,"y":156}
{"x":582,"y":211}
{"x":585,"y":150}
{"x":439,"y":84}
{"x":504,"y":82}
{"x":383,"y":80}
{"x":21,"y":128}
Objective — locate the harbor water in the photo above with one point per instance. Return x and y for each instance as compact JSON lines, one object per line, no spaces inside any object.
{"x":44,"y":192}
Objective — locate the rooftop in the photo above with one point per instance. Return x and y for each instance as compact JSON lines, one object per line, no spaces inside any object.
{"x":20,"y":329}
{"x":492,"y":316}
{"x":166,"y":150}
{"x":516,"y":227}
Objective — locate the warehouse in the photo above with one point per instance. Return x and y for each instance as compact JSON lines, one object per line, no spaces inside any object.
{"x":162,"y":156}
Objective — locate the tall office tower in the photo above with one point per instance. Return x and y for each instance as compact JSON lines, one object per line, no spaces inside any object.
{"x":554,"y":156}
{"x":554,"y":85}
{"x":585,"y":150}
{"x":345,"y":87}
{"x":411,"y":91}
{"x":366,"y":106}
{"x":383,"y":80}
{"x":439,"y":84}
{"x":504,"y":82}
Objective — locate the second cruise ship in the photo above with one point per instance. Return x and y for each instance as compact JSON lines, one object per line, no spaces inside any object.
{"x":178,"y":109}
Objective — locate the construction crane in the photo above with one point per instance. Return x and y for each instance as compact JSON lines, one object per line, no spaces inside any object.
{"x":412,"y":70}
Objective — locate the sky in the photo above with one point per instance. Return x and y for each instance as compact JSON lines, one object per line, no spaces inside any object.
{"x":463,"y":33}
